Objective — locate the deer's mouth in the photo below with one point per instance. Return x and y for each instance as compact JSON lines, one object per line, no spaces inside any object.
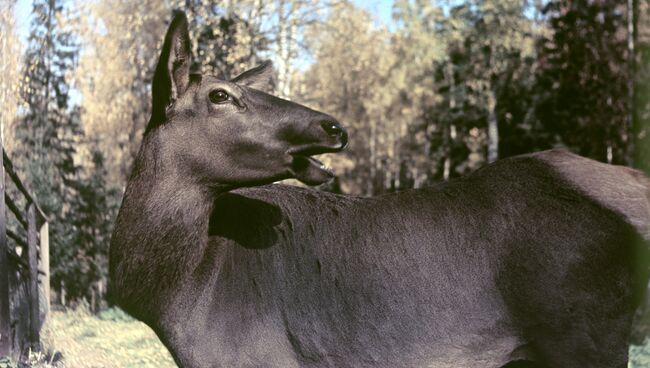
{"x":310,"y":170}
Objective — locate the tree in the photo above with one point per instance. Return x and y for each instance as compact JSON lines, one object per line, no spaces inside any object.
{"x":641,"y":79}
{"x":467,"y":78}
{"x":10,"y":79}
{"x":582,"y":79}
{"x":233,"y":36}
{"x":501,"y":39}
{"x":429,"y":131}
{"x":95,"y":208}
{"x":228,"y":38}
{"x":49,"y":131}
{"x":120,"y":47}
{"x":351,"y":79}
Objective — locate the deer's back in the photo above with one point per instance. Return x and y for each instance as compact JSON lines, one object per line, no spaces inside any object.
{"x":474,"y":272}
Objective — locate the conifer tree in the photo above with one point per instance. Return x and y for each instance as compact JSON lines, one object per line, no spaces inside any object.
{"x":49,"y":131}
{"x":95,"y":208}
{"x":582,"y":80}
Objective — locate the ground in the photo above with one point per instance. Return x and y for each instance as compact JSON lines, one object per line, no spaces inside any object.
{"x":77,"y":339}
{"x":111,"y":339}
{"x":640,"y":355}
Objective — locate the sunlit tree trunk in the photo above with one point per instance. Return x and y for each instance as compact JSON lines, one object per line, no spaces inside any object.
{"x":493,"y":127}
{"x":373,"y":158}
{"x":450,"y":135}
{"x":255,"y":17}
{"x":288,"y":12}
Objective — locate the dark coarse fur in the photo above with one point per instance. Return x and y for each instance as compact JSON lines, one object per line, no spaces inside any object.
{"x":533,"y":261}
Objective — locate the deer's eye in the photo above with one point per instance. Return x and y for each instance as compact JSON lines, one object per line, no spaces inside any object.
{"x":219,"y":96}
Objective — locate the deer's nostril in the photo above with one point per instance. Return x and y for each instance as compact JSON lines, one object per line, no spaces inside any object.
{"x":332,"y":128}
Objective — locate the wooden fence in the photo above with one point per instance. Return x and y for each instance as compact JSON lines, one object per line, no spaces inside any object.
{"x":24,"y":267}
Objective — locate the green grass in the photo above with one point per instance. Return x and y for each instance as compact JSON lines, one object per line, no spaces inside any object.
{"x":113,"y":339}
{"x":640,"y":355}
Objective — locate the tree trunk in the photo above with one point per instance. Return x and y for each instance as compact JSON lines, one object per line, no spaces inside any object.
{"x":631,"y":59}
{"x":493,"y":127}
{"x":62,"y":298}
{"x":450,"y":135}
{"x":373,"y":158}
{"x":286,"y":41}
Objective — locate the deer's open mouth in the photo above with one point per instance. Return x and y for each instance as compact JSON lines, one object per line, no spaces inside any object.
{"x":310,"y":170}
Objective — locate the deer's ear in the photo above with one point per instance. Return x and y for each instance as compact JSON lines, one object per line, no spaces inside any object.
{"x":172,"y":75}
{"x":260,"y":77}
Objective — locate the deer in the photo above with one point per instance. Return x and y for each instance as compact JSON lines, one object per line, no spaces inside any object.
{"x":538,"y":260}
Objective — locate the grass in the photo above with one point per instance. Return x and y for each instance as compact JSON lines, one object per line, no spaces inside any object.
{"x":111,"y":339}
{"x":77,"y":339}
{"x":640,"y":355}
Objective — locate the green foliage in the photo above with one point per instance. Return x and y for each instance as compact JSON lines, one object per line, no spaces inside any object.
{"x":641,"y":123}
{"x":456,"y":86}
{"x":582,"y":79}
{"x":438,"y":115}
{"x":85,"y":261}
{"x":80,"y":205}
{"x":48,"y":132}
{"x":225,"y":43}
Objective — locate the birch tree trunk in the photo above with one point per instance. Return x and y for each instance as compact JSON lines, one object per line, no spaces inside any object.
{"x":288,"y":14}
{"x":451,"y":134}
{"x":493,"y":127}
{"x":373,"y":158}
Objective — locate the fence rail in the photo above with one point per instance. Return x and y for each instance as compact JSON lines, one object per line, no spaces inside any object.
{"x":24,"y":267}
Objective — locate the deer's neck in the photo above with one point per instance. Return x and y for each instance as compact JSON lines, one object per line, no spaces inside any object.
{"x":158,"y":238}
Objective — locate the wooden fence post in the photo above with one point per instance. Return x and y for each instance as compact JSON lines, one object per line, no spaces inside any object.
{"x":45,"y":261}
{"x":34,"y":306}
{"x":5,"y":317}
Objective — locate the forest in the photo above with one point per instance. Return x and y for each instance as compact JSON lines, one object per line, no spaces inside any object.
{"x":434,"y":91}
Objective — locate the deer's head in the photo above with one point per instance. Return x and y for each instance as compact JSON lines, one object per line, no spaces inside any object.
{"x":230,"y":132}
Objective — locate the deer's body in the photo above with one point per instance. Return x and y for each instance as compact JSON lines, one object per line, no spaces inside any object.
{"x":537,"y":260}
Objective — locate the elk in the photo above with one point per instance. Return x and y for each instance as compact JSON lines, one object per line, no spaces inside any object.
{"x":532,"y":261}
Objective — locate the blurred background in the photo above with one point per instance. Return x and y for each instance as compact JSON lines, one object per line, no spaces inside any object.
{"x":429,"y":90}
